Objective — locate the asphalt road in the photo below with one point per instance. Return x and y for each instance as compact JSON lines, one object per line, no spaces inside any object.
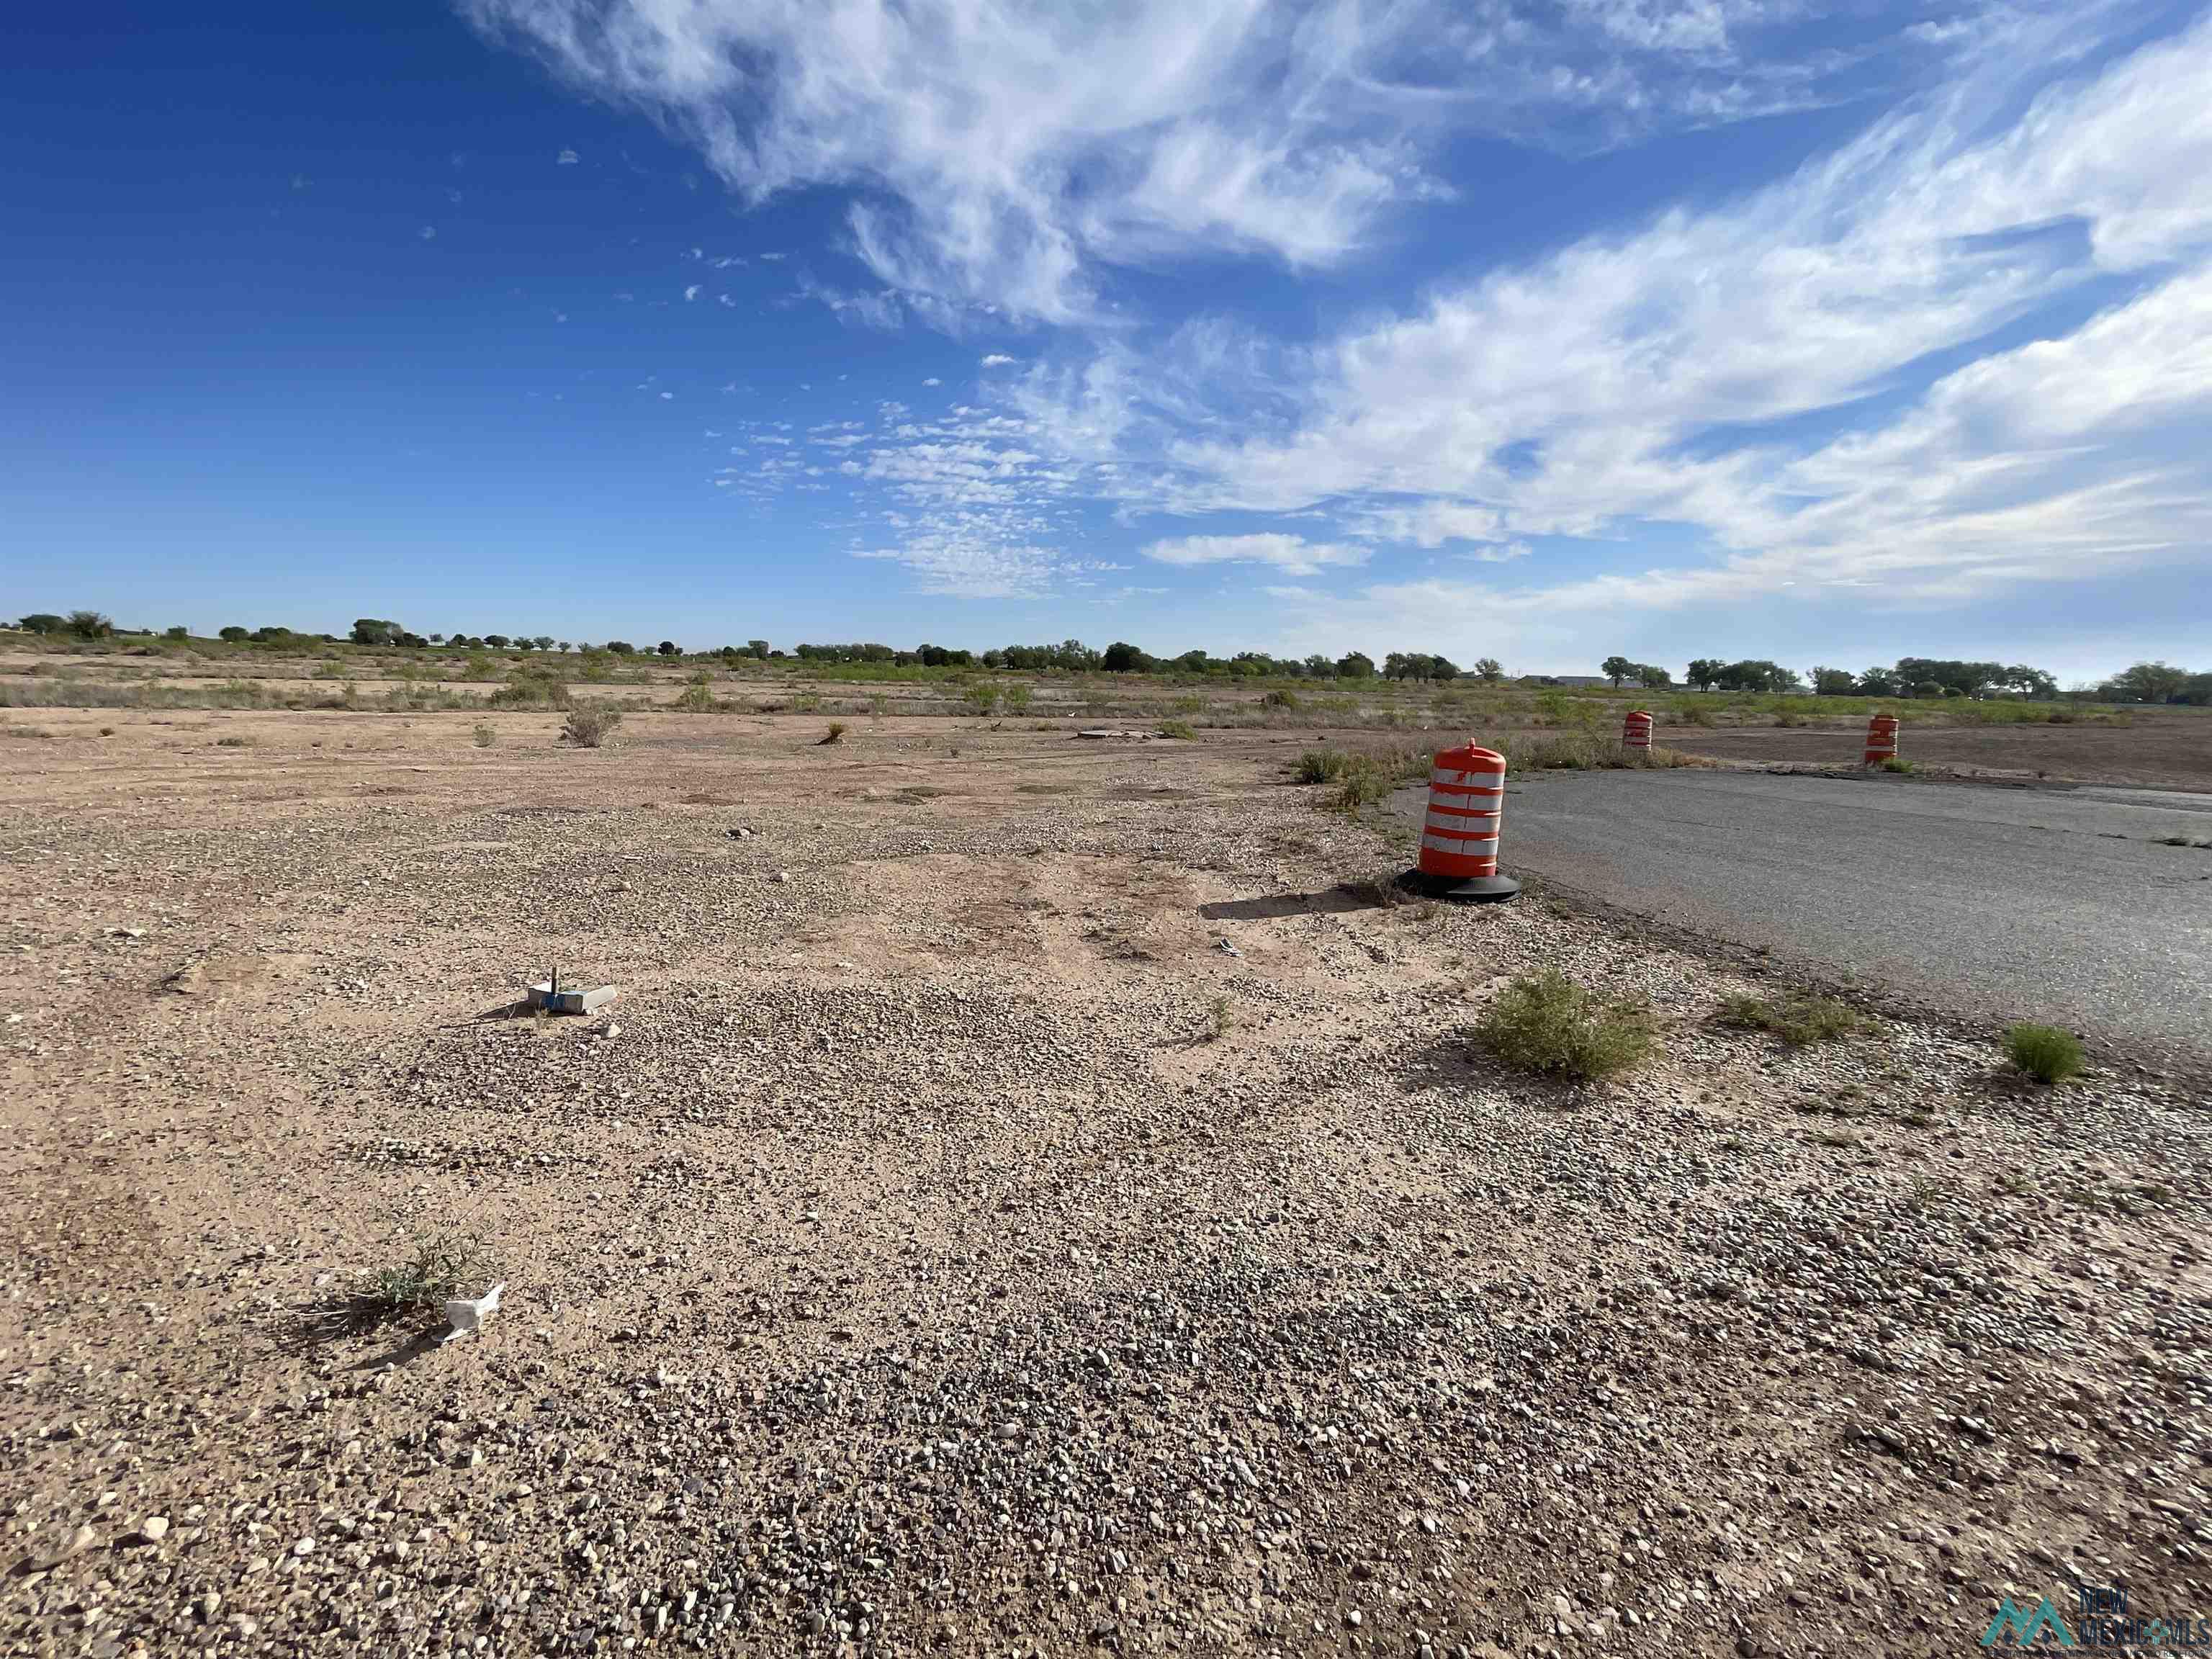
{"x":1995,"y":905}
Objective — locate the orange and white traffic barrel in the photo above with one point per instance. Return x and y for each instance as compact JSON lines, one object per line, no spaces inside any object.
{"x":1459,"y":834}
{"x":1881,"y":740}
{"x":1636,"y":732}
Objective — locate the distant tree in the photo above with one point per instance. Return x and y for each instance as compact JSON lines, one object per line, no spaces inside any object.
{"x":1616,"y":669}
{"x":89,"y":625}
{"x":1652,"y":678}
{"x":1355,"y":665}
{"x":669,"y":648}
{"x":43,"y":621}
{"x":234,"y":633}
{"x":2142,"y":682}
{"x":1754,"y":674}
{"x":1833,"y":683}
{"x":1318,"y":667}
{"x":1967,"y":680}
{"x":759,"y":648}
{"x":621,"y":647}
{"x":1194,"y":661}
{"x":2027,"y":682}
{"x":1880,"y":683}
{"x":564,"y":645}
{"x":1927,"y":689}
{"x":1489,"y":669}
{"x":372,"y":630}
{"x":180,"y":632}
{"x":2195,"y":690}
{"x":542,"y":641}
{"x":1704,"y":672}
{"x":437,"y":639}
{"x":1443,"y":668}
{"x":1122,"y":658}
{"x":496,"y":641}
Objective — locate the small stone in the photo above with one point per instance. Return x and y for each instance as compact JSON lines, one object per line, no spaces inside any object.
{"x":305,"y":1546}
{"x":780,"y":877}
{"x":154,"y":1528}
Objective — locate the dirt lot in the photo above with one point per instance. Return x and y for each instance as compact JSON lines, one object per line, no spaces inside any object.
{"x":1031,"y":1196}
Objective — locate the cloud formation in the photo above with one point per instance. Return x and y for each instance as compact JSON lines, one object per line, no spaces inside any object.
{"x":1000,"y":152}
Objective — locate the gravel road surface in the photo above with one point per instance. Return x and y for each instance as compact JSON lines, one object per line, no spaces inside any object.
{"x":1995,"y":903}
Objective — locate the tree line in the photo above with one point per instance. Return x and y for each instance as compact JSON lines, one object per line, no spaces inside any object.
{"x":1910,"y":677}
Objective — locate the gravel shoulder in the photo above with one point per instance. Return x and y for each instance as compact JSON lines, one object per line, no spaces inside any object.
{"x":951,"y":1246}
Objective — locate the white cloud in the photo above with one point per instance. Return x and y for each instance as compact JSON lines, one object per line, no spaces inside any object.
{"x":567,"y":158}
{"x":997,"y":360}
{"x":1292,"y":553}
{"x":428,"y":233}
{"x":690,"y":293}
{"x":932,"y":380}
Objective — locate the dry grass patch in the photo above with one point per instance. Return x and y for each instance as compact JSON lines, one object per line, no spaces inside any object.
{"x":1797,"y":1020}
{"x":2043,"y":1051}
{"x":1547,"y":1022}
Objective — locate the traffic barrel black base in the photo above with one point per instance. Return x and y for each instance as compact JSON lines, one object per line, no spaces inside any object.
{"x":1467,"y":890}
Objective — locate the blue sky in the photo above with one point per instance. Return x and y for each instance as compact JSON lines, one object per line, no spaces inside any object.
{"x":1824,"y":333}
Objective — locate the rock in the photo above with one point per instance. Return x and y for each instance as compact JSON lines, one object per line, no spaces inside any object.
{"x":154,"y":1528}
{"x":304,"y":1548}
{"x":781,"y":878}
{"x":74,"y":1545}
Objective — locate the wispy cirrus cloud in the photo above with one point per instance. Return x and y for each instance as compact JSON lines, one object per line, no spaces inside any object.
{"x":1000,"y":154}
{"x":1293,"y":554}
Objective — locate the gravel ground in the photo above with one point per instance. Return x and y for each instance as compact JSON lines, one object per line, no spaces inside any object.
{"x":946,"y":1243}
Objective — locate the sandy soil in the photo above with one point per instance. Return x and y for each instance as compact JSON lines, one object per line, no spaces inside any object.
{"x":1031,"y":1196}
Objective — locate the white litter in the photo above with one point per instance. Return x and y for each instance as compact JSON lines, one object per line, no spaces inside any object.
{"x":466,"y":1316}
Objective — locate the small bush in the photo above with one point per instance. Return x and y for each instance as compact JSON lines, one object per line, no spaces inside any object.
{"x":1548,"y":1023}
{"x":835,"y":733}
{"x":1016,"y":697}
{"x":1322,"y":765}
{"x":1797,"y":1020}
{"x":436,"y":1267}
{"x":485,"y":736}
{"x":982,"y":697}
{"x":1220,"y":1019}
{"x":589,"y":726}
{"x":2043,"y":1051}
{"x":1895,"y":763}
{"x":1177,"y":729}
{"x":1280,"y":698}
{"x":530,"y":688}
{"x":234,"y":743}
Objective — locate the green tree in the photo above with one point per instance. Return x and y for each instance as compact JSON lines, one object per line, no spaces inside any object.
{"x":233,"y":633}
{"x":2142,"y":682}
{"x":1616,"y":669}
{"x":1833,"y":683}
{"x":759,"y":648}
{"x":621,"y":647}
{"x":1652,"y":678}
{"x":1704,"y":672}
{"x":89,"y":625}
{"x":1489,"y":669}
{"x":372,"y":630}
{"x":1881,"y":683}
{"x":669,"y":648}
{"x":43,"y":621}
{"x":180,"y":632}
{"x":1122,"y":657}
{"x":1355,"y":665}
